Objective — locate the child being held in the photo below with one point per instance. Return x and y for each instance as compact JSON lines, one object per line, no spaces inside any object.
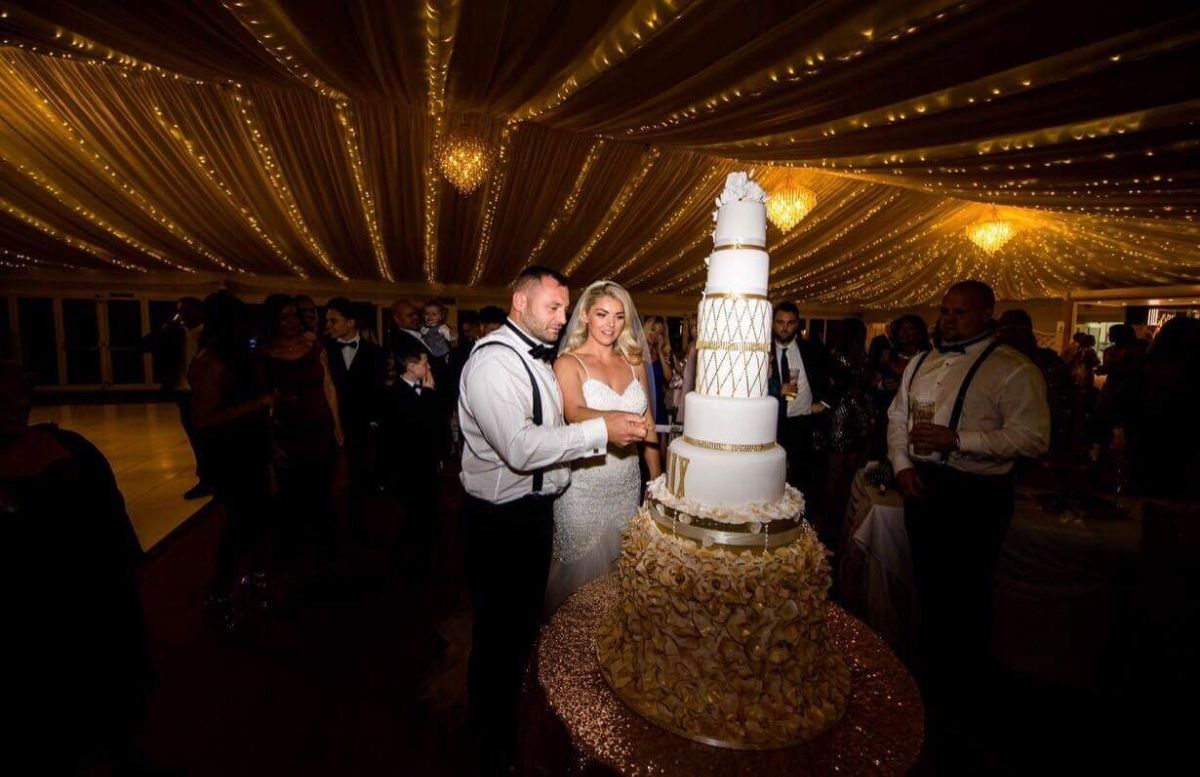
{"x":437,"y":336}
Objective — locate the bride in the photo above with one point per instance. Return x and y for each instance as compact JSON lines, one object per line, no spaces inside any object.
{"x":600,"y":369}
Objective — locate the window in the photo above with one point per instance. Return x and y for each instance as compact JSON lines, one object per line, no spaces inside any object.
{"x":39,"y":346}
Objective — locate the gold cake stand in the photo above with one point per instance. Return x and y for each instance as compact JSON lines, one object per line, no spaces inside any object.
{"x":573,"y":723}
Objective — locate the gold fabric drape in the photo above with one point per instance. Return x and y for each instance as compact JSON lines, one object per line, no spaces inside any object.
{"x":296,"y":137}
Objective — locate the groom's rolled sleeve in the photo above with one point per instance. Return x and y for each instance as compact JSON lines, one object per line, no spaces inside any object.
{"x":501,"y":403}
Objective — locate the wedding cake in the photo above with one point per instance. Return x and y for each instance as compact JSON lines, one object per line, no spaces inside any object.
{"x":720,"y":631}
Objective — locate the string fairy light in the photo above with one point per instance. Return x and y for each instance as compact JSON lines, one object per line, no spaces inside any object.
{"x":78,"y":142}
{"x":91,"y":216}
{"x":255,"y":17}
{"x":204,"y":164}
{"x":843,"y":45}
{"x":102,"y":254}
{"x":441,"y":24}
{"x":567,"y":208}
{"x":15,"y":260}
{"x":644,"y":20}
{"x":366,"y":198}
{"x":279,"y":186}
{"x":649,"y":158}
{"x":702,"y":190}
{"x":495,"y":189}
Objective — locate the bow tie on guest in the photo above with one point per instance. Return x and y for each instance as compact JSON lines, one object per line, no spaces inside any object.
{"x":961,"y":347}
{"x":352,"y":345}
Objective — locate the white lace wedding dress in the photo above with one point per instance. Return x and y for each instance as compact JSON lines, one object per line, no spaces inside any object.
{"x":604,"y":494}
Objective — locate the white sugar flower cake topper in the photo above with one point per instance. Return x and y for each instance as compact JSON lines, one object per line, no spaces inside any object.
{"x":739,"y":187}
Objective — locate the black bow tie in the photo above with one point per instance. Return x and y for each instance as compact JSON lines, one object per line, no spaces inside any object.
{"x":962,"y":347}
{"x":537,"y":350}
{"x":352,"y":345}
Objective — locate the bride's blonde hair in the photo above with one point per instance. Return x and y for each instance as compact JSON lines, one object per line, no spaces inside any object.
{"x":628,"y":343}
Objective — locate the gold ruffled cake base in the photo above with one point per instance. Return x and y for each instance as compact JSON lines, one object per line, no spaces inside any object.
{"x":726,"y":646}
{"x":879,"y":733}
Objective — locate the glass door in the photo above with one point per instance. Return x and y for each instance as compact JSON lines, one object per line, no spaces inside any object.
{"x":39,"y":343}
{"x":81,"y":341}
{"x":126,"y":365}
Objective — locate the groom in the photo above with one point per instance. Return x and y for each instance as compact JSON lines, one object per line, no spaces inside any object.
{"x":513,"y":466}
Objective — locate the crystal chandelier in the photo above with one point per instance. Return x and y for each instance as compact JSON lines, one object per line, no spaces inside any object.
{"x":787,"y":206}
{"x":992,"y":233}
{"x":465,"y":161}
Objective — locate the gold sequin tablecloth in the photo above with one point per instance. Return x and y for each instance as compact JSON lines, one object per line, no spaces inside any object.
{"x":880,"y":734}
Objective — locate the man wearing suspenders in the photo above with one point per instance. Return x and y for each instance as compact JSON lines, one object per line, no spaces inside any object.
{"x":516,"y":447}
{"x":988,"y":409}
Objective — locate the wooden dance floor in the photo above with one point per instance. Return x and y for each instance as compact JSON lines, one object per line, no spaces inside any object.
{"x":149,"y":454}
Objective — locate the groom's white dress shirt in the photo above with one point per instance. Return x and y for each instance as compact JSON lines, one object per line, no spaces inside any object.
{"x":502,"y":444}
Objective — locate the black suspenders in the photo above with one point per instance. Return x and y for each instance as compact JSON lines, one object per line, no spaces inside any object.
{"x":537,"y":404}
{"x":956,"y":413}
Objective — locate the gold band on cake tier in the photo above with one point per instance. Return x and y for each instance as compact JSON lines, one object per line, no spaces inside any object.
{"x":738,"y":536}
{"x":734,"y":295}
{"x":713,"y":345}
{"x":730,"y":447}
{"x":739,"y":246}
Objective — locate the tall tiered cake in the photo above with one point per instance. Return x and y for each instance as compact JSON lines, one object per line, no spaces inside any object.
{"x":720,"y":634}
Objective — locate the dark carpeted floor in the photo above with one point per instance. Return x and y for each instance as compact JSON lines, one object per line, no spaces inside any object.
{"x":360,"y":672}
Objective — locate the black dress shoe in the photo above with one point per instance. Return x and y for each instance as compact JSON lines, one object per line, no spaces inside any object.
{"x":198,"y":491}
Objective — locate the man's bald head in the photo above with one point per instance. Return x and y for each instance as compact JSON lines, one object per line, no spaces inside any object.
{"x":966,"y":310}
{"x":404,"y":313}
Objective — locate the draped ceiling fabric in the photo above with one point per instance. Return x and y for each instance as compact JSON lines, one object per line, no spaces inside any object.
{"x":295,"y":137}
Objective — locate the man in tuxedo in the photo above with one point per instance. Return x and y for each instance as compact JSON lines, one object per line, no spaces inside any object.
{"x":357,"y":368}
{"x":514,"y":464}
{"x":803,"y":370}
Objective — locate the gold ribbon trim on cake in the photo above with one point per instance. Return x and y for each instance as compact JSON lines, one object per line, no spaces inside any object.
{"x":713,"y":345}
{"x":740,"y":536}
{"x":739,"y":245}
{"x":733,"y":295}
{"x":729,"y":447}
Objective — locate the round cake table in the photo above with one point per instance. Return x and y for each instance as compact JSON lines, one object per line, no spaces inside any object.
{"x":574,"y":723}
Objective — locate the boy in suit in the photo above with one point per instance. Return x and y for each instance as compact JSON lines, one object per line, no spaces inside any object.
{"x":419,"y":439}
{"x":357,"y":367}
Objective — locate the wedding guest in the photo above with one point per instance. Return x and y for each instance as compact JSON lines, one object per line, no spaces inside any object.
{"x":434,"y":332}
{"x":661,"y":363}
{"x":977,"y":406}
{"x":231,"y":416}
{"x":1122,"y":366}
{"x":78,"y":669}
{"x":908,"y":336}
{"x":513,"y":466}
{"x":1015,"y":329}
{"x":851,"y":419}
{"x":803,"y":370}
{"x":420,"y":447}
{"x":173,"y":347}
{"x":405,"y":323}
{"x":310,"y":317}
{"x":1164,"y":457}
{"x":358,"y":370}
{"x":491,"y":318}
{"x":306,"y":432}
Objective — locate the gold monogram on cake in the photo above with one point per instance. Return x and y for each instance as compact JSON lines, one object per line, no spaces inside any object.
{"x":677,"y":467}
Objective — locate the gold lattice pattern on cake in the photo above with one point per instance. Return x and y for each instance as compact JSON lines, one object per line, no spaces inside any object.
{"x":735,"y":340}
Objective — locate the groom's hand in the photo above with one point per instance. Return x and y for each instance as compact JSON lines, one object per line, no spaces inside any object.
{"x":625,"y":428}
